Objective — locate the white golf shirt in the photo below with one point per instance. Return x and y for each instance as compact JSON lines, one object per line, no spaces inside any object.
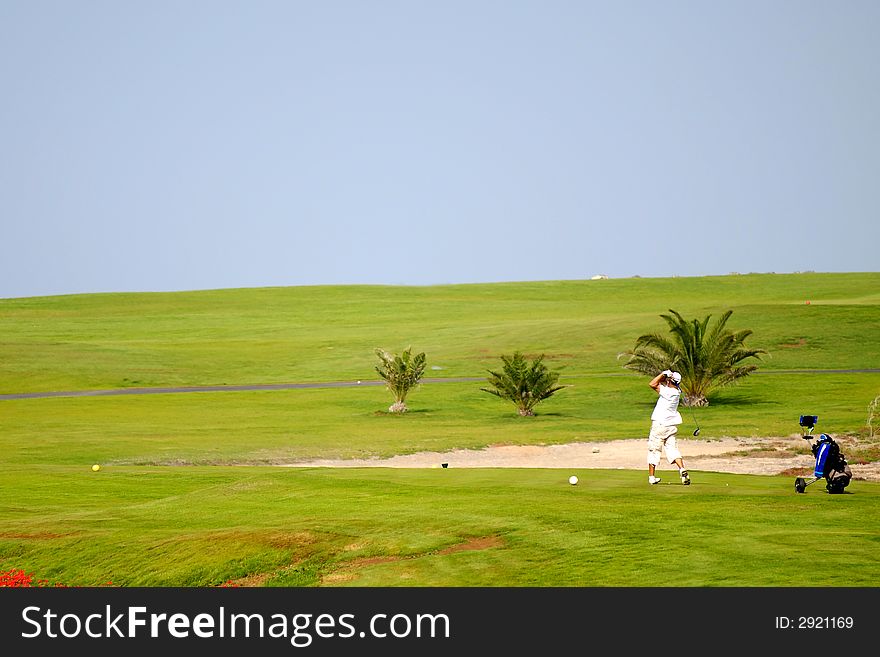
{"x":666,"y":409}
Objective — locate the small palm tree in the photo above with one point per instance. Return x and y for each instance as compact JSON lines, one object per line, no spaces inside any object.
{"x":707,"y":358}
{"x":523,"y":383}
{"x":401,"y":374}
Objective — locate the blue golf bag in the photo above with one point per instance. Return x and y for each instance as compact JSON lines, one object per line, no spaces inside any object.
{"x":830,"y":463}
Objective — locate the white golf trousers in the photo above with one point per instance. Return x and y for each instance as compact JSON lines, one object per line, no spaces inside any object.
{"x":662,"y":437}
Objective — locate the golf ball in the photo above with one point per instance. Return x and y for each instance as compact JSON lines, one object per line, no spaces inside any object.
{"x":96,"y":467}
{"x":573,"y":480}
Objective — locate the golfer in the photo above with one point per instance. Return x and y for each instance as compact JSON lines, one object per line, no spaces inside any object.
{"x":664,"y":425}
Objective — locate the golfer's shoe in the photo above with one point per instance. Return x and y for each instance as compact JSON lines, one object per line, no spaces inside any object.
{"x":685,"y":478}
{"x":653,"y":480}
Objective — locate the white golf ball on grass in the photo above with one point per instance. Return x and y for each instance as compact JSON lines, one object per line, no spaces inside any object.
{"x":573,"y":480}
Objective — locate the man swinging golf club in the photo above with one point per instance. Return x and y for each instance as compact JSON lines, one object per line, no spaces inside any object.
{"x":664,"y":425}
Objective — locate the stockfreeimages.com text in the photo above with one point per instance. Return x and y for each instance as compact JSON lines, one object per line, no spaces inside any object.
{"x":300,"y":629}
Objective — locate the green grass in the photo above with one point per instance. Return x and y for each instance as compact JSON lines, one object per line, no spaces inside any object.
{"x":273,"y":335}
{"x":186,"y":496}
{"x":292,"y":425}
{"x":430,"y":527}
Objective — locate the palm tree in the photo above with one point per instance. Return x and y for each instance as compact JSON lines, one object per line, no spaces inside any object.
{"x":401,"y":374}
{"x":707,"y":358}
{"x":523,"y":383}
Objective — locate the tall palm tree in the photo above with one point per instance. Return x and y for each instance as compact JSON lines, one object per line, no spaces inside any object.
{"x":525,"y":384}
{"x":401,"y":373}
{"x":707,"y":358}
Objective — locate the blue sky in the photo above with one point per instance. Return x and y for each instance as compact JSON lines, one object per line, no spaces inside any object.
{"x":156,"y":145}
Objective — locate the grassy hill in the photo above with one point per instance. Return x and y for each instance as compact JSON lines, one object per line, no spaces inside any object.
{"x":329,"y":333}
{"x":187,"y":495}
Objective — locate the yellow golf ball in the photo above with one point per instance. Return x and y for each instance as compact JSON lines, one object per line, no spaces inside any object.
{"x":96,"y":467}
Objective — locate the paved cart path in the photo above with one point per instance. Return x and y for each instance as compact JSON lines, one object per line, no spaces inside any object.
{"x":325,"y":384}
{"x":220,"y":388}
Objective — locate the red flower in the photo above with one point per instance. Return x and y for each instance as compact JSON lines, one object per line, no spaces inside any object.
{"x":18,"y":578}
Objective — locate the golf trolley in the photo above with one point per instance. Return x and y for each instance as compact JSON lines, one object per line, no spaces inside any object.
{"x":830,"y":462}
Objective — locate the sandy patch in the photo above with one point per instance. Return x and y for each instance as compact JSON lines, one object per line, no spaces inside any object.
{"x":736,"y":455}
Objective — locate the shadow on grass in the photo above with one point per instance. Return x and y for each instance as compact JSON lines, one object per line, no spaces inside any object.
{"x":411,"y":411}
{"x":741,"y":400}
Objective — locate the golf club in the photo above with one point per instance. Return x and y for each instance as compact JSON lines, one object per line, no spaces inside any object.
{"x":697,"y":430}
{"x":694,"y":416}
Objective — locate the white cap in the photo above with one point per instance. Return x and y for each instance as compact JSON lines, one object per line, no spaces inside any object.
{"x":676,"y":377}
